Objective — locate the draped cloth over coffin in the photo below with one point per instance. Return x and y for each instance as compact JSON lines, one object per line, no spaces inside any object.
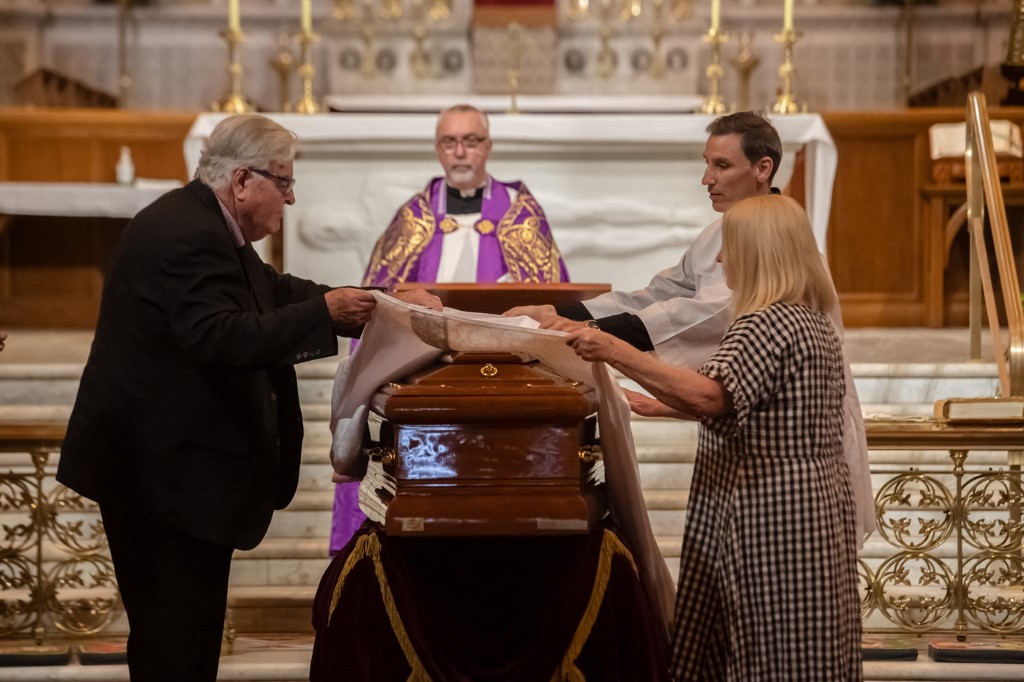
{"x":402,"y":338}
{"x":508,"y":609}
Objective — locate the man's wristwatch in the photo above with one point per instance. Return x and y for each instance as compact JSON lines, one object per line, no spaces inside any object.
{"x":593,"y":324}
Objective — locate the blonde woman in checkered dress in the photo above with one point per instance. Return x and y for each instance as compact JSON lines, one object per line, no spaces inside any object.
{"x":767,"y":577}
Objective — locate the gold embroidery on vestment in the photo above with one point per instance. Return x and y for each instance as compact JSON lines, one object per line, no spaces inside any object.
{"x":449,"y":225}
{"x":530,"y":256}
{"x":484,"y":226}
{"x":398,"y":249}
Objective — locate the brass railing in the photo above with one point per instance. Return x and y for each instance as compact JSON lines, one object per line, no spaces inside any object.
{"x":955,"y":530}
{"x":953,"y":527}
{"x":56,"y":577}
{"x":983,"y":188}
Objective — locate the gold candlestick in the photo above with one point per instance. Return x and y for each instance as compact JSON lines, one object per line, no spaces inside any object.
{"x":785,"y":103}
{"x":713,"y":103}
{"x":307,"y":104}
{"x":235,"y":103}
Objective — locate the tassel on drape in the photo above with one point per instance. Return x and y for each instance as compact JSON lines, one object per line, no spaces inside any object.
{"x":610,"y":546}
{"x":368,"y":547}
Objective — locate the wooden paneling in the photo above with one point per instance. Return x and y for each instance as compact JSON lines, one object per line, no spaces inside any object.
{"x":52,"y":269}
{"x":886,"y":234}
{"x":82,"y":145}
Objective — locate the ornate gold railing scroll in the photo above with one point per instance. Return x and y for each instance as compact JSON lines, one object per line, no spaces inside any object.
{"x":983,"y":189}
{"x":956,"y":531}
{"x":55,"y":573}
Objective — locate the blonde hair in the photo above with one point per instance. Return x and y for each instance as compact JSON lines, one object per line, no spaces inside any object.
{"x":770,"y":256}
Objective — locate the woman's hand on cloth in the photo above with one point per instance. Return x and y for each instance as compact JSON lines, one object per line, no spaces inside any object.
{"x":594,"y":345}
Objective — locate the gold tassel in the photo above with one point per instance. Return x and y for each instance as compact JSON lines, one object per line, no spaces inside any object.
{"x":610,"y":546}
{"x":368,"y":546}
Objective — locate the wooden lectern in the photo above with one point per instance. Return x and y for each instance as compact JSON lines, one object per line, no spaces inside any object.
{"x":497,"y":298}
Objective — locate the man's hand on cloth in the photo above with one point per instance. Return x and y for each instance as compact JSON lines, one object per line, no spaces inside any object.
{"x":546,"y":317}
{"x":350,"y":307}
{"x":420,"y":297}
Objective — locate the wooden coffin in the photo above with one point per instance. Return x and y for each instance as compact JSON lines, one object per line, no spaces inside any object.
{"x":484,"y":444}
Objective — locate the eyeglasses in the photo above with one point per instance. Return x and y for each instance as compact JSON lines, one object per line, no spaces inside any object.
{"x":469,"y":142}
{"x":284,"y":182}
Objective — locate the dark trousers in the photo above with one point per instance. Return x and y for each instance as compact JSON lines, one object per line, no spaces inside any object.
{"x":174,"y":590}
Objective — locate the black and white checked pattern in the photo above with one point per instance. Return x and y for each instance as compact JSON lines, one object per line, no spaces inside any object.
{"x":768,"y":577}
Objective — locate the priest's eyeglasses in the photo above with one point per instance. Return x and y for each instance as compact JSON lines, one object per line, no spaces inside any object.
{"x":284,"y":183}
{"x":469,"y":142}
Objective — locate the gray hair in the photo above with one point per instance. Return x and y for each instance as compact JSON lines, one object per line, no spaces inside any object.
{"x":241,"y":141}
{"x":463,"y":108}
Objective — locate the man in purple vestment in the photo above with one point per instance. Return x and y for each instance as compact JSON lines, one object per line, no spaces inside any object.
{"x":463,"y":227}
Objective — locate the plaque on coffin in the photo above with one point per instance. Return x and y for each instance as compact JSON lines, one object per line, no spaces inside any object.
{"x":483,"y":444}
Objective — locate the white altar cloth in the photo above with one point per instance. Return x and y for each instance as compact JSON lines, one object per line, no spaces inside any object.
{"x":80,"y":199}
{"x":622,"y":192}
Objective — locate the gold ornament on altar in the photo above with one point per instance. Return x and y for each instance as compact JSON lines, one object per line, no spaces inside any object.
{"x":420,"y":13}
{"x":713,"y":103}
{"x":745,"y":62}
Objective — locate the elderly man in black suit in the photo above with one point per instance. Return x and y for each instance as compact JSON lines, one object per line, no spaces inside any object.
{"x":187,"y":429}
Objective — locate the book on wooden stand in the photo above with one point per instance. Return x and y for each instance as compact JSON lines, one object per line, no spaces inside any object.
{"x":999,"y":651}
{"x":1002,"y":411}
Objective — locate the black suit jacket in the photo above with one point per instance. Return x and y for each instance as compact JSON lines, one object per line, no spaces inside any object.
{"x":188,"y":408}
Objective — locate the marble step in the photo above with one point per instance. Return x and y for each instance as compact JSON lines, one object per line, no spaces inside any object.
{"x":877,"y":383}
{"x":289,"y":662}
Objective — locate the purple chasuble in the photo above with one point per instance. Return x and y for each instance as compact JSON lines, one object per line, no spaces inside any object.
{"x":490,"y":264}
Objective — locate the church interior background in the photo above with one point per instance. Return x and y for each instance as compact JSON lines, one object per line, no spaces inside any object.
{"x":600,"y":106}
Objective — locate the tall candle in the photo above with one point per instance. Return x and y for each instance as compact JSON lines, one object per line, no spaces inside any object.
{"x":307,"y":19}
{"x":787,"y":15}
{"x":233,"y":23}
{"x":714,"y":14}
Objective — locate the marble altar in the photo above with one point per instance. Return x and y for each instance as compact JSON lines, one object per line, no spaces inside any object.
{"x":622,"y":191}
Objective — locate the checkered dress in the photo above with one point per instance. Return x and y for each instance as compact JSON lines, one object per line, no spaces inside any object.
{"x":767,"y":578}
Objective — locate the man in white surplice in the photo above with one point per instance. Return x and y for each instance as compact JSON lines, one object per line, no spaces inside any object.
{"x":683,"y":313}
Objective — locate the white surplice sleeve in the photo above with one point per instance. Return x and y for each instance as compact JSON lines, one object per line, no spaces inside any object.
{"x":685,"y":308}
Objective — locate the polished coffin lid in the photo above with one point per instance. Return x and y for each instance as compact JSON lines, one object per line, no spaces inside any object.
{"x":484,"y":444}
